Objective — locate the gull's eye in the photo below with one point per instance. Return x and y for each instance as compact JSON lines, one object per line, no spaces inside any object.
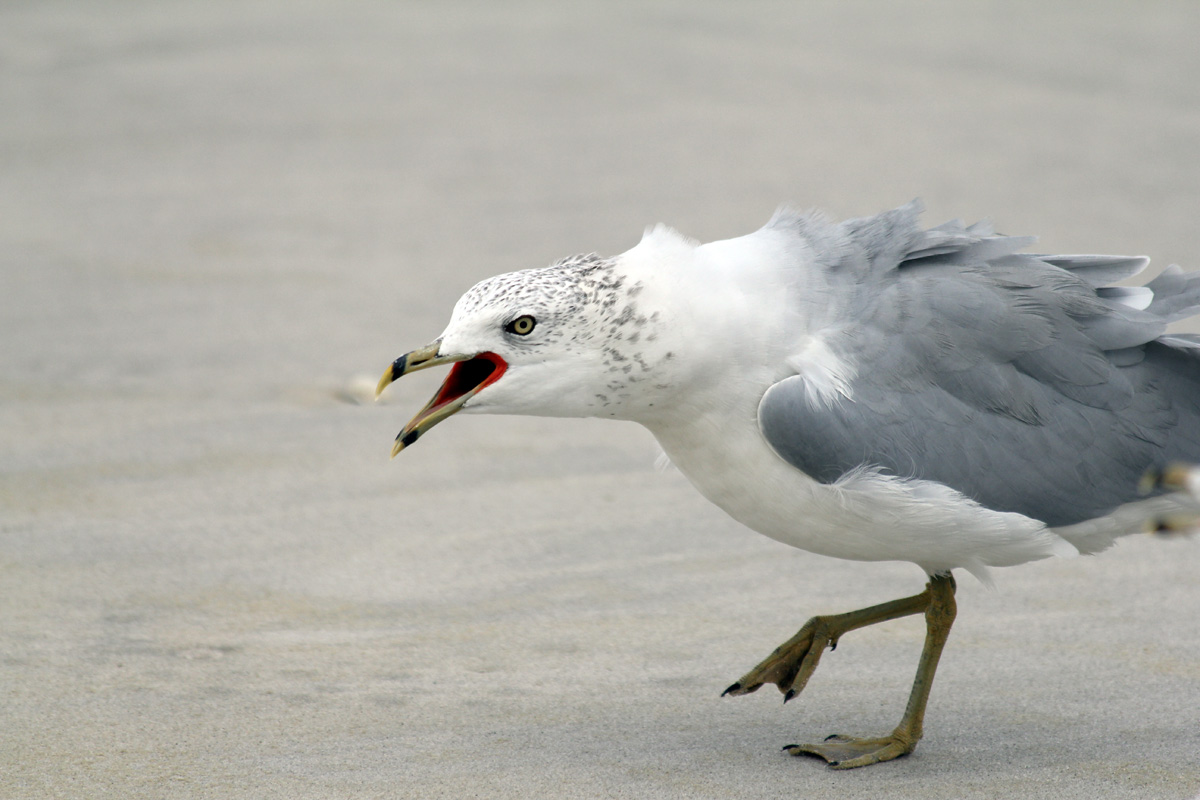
{"x":522,"y":325}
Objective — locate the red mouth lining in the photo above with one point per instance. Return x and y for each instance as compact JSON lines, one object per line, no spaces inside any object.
{"x":468,"y":376}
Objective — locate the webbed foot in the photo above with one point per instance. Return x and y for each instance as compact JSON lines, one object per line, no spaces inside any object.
{"x":792,"y":663}
{"x":846,"y":752}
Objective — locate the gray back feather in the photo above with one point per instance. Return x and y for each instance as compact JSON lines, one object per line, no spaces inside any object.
{"x":1016,"y":379}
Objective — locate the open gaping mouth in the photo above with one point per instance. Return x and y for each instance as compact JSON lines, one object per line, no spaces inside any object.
{"x":465,"y":379}
{"x":468,"y":376}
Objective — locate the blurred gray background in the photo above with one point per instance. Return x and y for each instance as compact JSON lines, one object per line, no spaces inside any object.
{"x":219,"y":222}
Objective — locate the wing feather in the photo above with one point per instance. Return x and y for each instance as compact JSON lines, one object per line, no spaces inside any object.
{"x":1018,"y":380}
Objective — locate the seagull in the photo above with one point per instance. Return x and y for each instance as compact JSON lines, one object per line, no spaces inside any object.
{"x":866,"y":390}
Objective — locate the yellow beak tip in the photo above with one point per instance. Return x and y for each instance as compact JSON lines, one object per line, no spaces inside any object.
{"x":384,"y":382}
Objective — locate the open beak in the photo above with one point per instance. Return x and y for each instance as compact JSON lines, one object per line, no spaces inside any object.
{"x":469,"y":375}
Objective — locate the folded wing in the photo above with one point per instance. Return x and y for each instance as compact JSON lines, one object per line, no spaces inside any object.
{"x":1022,"y":381}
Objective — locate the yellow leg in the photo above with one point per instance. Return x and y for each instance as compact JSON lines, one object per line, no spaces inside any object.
{"x":793,"y":663}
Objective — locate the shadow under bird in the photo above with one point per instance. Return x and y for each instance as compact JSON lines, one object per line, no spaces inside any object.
{"x":867,"y":390}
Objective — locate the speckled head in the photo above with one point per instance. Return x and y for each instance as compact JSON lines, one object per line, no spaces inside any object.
{"x":575,"y":339}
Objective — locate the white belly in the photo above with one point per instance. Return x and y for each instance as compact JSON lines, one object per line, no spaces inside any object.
{"x":865,"y":516}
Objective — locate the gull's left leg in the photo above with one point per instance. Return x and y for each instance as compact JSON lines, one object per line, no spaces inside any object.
{"x":792,"y":663}
{"x":844,"y":752}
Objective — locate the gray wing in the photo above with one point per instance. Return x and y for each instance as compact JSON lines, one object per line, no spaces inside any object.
{"x":1013,"y":379}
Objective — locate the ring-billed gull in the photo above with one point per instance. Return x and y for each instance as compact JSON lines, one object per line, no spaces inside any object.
{"x":865,"y":390}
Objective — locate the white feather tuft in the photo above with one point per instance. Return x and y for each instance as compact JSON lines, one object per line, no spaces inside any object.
{"x":826,"y":377}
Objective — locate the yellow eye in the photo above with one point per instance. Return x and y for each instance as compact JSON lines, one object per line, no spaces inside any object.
{"x":522,"y":325}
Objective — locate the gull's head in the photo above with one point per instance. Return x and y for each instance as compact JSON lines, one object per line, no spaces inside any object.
{"x":575,"y":339}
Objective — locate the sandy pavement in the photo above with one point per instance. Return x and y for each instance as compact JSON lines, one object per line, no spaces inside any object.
{"x":220,"y":221}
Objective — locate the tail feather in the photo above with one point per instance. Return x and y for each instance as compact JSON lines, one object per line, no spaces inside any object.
{"x":1176,"y":294}
{"x":1177,"y":511}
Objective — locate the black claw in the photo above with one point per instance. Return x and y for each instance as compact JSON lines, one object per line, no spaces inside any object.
{"x":832,"y":646}
{"x":737,"y":687}
{"x":790,"y":694}
{"x":787,"y":747}
{"x":832,"y":736}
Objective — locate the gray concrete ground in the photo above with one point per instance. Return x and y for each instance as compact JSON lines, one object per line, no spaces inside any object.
{"x":219,"y":221}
